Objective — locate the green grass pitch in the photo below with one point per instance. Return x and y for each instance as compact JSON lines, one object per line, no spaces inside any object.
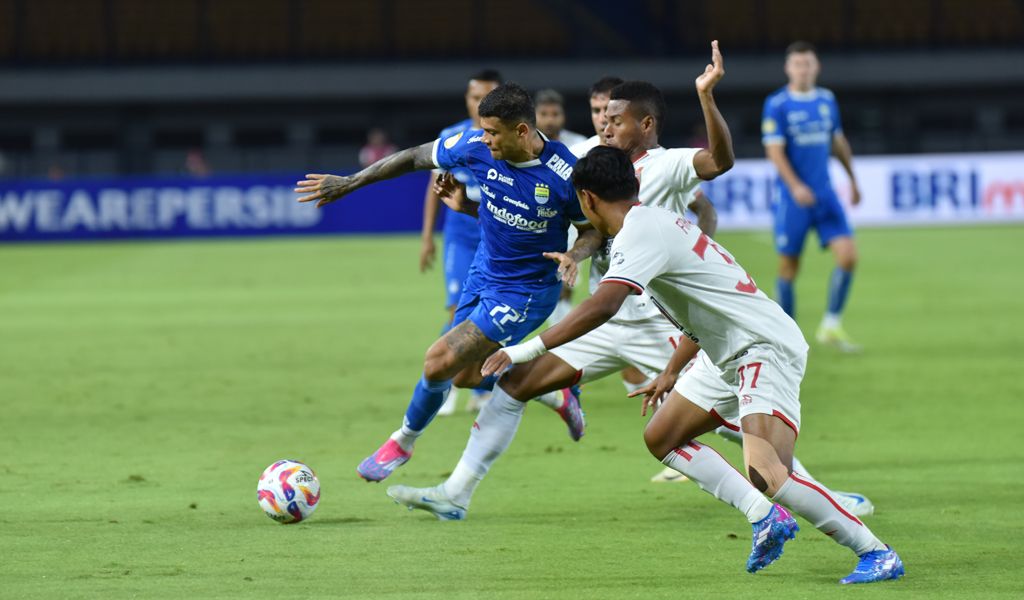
{"x":145,"y":386}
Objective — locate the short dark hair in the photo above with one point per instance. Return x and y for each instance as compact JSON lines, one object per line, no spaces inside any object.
{"x":487,"y":75}
{"x":799,"y":47}
{"x":608,"y":173}
{"x":509,"y":102}
{"x":549,"y":96}
{"x":604,"y":85}
{"x":643,"y":97}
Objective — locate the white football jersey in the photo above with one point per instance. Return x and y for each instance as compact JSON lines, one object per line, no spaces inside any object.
{"x":580,"y":149}
{"x":699,"y":286}
{"x":669,"y":180}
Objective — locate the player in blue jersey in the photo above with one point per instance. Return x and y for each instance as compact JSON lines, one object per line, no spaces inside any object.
{"x":527,"y":203}
{"x":800,"y":130}
{"x":461,"y":231}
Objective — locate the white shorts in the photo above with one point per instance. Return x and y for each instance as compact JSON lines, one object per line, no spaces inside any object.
{"x":762,"y":380}
{"x":646,"y":345}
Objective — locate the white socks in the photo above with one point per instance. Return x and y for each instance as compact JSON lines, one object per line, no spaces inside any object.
{"x":406,"y":437}
{"x":831,"y":321}
{"x":815,"y":503}
{"x":716,"y":476}
{"x":553,"y":400}
{"x":490,"y":436}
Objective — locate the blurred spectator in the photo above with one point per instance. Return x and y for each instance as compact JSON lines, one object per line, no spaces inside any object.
{"x":551,"y":118}
{"x":377,"y":147}
{"x":195,"y":163}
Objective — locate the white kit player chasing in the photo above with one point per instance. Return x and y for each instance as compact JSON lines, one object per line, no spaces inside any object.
{"x":638,"y":335}
{"x":747,"y":341}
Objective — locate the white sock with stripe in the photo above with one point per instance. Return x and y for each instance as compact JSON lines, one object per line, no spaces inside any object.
{"x":490,"y":436}
{"x":814,"y":502}
{"x":716,"y":476}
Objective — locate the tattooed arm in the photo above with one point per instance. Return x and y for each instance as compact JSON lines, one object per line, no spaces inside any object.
{"x":328,"y":188}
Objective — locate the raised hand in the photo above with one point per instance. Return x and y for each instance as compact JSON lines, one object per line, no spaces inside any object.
{"x":713,"y":73}
{"x":323,"y":188}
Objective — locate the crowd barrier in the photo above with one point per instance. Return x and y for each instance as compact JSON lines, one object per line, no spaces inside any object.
{"x":946,"y":189}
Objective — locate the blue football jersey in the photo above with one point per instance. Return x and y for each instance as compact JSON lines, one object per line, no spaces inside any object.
{"x":805,"y":123}
{"x":460,"y":227}
{"x":525,"y":208}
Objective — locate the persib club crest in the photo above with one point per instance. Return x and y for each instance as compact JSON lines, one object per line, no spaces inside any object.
{"x":541,"y":193}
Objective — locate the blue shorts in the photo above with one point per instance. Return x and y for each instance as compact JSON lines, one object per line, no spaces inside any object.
{"x":458,"y":257}
{"x":793,"y":221}
{"x":506,"y":315}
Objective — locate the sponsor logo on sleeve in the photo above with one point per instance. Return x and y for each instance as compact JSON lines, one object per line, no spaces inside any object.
{"x":450,"y":142}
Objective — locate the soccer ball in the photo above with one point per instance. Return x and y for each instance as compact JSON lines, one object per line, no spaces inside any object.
{"x":288,"y":491}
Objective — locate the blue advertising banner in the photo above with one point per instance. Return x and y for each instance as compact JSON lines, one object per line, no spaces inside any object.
{"x":148,"y":207}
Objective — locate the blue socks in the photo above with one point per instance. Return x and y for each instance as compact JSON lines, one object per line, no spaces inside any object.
{"x":838,"y":290}
{"x":784,"y":295}
{"x":487,"y":383}
{"x":427,"y":398}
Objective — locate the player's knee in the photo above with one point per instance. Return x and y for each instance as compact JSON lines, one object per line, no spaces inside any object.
{"x":767,"y":476}
{"x":467,"y":378}
{"x":656,"y":441}
{"x":515,"y":380}
{"x":788,"y":268}
{"x":438,"y":362}
{"x":847,"y":261}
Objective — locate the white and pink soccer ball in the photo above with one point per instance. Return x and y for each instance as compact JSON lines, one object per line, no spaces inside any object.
{"x":288,"y":491}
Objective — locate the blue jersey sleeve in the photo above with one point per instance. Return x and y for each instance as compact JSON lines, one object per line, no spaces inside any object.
{"x":455,"y":150}
{"x":772,"y":121}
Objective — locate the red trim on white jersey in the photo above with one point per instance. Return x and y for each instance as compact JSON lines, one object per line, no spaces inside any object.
{"x":726,"y":424}
{"x":804,"y":482}
{"x":636,"y":286}
{"x":785,"y":420}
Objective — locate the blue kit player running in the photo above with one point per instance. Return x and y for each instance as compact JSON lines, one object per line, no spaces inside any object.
{"x":527,"y":205}
{"x":800,"y":130}
{"x":461,"y":231}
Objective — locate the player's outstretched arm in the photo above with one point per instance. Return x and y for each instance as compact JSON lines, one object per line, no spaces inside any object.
{"x":718,"y":157}
{"x":589,"y":315}
{"x":328,"y":188}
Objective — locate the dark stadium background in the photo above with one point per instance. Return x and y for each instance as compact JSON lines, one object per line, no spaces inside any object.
{"x":99,"y":87}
